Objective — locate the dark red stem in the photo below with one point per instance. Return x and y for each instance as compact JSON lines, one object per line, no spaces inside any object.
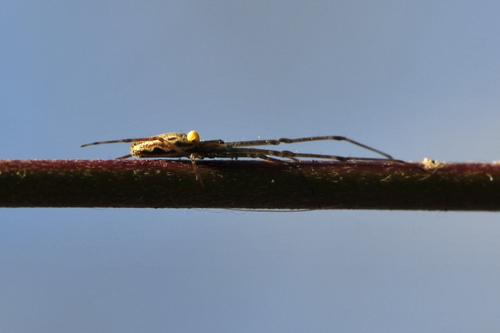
{"x":249,"y":185}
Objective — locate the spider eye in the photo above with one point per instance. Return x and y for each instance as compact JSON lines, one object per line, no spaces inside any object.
{"x":193,"y":136}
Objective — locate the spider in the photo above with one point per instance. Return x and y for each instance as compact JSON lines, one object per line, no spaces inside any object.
{"x":189,"y":145}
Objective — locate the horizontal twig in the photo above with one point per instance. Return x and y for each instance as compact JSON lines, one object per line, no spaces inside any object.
{"x":250,"y":185}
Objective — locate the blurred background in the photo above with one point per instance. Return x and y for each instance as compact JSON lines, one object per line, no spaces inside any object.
{"x":413,"y":79}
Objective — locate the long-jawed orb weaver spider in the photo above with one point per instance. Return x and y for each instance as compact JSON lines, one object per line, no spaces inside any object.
{"x":189,"y":145}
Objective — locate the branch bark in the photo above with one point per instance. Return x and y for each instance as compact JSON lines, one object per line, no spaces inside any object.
{"x":249,"y":185}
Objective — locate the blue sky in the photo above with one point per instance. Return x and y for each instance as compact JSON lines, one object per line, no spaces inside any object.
{"x":414,"y":79}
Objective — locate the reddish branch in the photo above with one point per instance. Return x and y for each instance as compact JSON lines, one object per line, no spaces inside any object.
{"x":249,"y":184}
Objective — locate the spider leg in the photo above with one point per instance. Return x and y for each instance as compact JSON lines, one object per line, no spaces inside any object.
{"x":289,"y":154}
{"x":256,"y":152}
{"x":193,"y":158}
{"x":307,"y":139}
{"x":123,"y":157}
{"x":117,"y":141}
